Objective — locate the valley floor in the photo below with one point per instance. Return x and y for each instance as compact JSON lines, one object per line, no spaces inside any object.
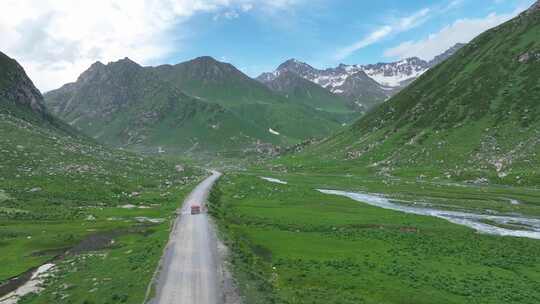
{"x":108,"y":258}
{"x":293,"y":244}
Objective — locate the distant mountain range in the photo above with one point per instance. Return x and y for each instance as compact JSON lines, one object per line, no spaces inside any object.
{"x":199,"y":105}
{"x":207,"y":105}
{"x":364,"y":86}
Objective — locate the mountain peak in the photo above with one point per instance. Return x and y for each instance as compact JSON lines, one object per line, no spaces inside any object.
{"x":124,"y":62}
{"x":209,"y":62}
{"x":206,"y":59}
{"x":126,"y":59}
{"x":97,"y":64}
{"x":204,"y":69}
{"x":98,"y":70}
{"x":16,"y":86}
{"x":293,"y":63}
{"x":447,"y":54}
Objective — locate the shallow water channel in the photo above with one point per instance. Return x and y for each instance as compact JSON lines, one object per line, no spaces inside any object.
{"x":521,"y":226}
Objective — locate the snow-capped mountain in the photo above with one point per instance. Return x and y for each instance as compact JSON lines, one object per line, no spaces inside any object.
{"x":363,"y":85}
{"x":394,"y":74}
{"x":351,"y":83}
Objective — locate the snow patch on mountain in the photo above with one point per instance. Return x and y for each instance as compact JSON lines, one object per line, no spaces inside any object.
{"x":371,"y":83}
{"x":389,"y":76}
{"x":394,"y":80}
{"x":272,"y":131}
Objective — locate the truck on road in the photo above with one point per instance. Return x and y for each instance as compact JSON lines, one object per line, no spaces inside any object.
{"x":195,"y":209}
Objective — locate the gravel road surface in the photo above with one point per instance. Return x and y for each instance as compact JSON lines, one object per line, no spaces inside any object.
{"x":189,"y":269}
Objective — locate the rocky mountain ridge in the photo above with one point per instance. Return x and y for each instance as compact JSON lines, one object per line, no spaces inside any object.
{"x":300,"y":90}
{"x":364,"y":85}
{"x":534,"y":8}
{"x":16,"y":88}
{"x":198,"y":105}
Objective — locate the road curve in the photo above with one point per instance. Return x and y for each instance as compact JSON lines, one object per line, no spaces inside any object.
{"x":189,"y":267}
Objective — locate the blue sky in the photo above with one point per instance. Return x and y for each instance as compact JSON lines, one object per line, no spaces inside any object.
{"x":56,"y":40}
{"x":323,"y":33}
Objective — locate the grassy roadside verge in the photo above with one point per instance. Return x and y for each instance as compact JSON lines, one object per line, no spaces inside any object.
{"x":291,"y":244}
{"x":248,"y":268}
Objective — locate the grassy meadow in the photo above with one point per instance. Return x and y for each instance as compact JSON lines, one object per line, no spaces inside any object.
{"x":292,"y":244}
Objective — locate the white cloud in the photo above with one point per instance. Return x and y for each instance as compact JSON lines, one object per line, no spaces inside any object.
{"x":401,"y":25}
{"x":55,"y":40}
{"x":246,"y":7}
{"x":461,"y":31}
{"x":453,"y":4}
{"x":232,"y":14}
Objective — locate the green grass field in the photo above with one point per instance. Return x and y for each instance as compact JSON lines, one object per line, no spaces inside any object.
{"x":292,"y":244}
{"x":118,"y":271}
{"x":121,"y":271}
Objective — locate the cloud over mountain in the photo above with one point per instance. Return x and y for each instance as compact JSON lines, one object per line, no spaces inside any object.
{"x":57,"y":39}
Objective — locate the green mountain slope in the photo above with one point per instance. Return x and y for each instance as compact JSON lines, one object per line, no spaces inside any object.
{"x":126,"y":105}
{"x":215,"y":81}
{"x":299,"y":90}
{"x":474,"y":117}
{"x":222,"y":83}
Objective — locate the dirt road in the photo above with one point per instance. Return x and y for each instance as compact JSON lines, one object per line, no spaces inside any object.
{"x":189,"y":273}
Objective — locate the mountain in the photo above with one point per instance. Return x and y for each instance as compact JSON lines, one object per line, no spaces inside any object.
{"x":219,"y":82}
{"x":200,"y":105}
{"x":18,"y":95}
{"x":21,"y":100}
{"x":300,"y":90}
{"x":338,"y":81}
{"x":124,"y":104}
{"x":447,"y":54}
{"x":222,"y":83}
{"x":474,"y":117}
{"x":365,"y":86}
{"x":394,"y":74}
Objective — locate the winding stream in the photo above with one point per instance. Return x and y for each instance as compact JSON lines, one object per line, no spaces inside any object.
{"x":524,"y":227}
{"x":33,"y":285}
{"x":273,"y":180}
